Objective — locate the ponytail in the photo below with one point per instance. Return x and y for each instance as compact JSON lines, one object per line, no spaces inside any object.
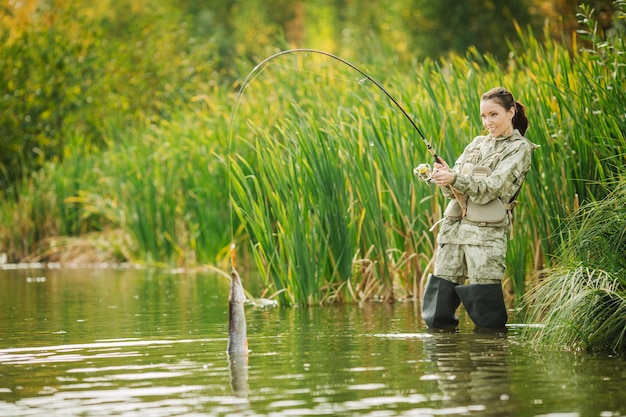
{"x":520,"y":121}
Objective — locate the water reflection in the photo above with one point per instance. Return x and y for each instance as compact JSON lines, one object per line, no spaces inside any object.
{"x":471,"y":369}
{"x":238,"y":366}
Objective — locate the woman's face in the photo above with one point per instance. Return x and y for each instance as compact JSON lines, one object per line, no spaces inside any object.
{"x":497,"y":120}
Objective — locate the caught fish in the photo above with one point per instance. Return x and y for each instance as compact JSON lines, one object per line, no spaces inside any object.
{"x":237,"y":336}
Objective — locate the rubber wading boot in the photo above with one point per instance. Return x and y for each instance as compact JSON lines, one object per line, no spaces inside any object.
{"x":440,"y":303}
{"x":484,"y":304}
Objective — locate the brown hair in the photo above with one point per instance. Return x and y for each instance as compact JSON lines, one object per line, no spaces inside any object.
{"x":504,"y":97}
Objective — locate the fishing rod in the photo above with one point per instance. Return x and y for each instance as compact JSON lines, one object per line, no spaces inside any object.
{"x":261,"y":64}
{"x":419,"y":171}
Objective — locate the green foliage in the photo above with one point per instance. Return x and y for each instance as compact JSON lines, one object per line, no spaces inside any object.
{"x":43,"y":83}
{"x":164,"y":189}
{"x":77,"y":67}
{"x":582,"y":303}
{"x":486,"y":26}
{"x":567,"y":98}
{"x":72,"y":73}
{"x":158,"y":194}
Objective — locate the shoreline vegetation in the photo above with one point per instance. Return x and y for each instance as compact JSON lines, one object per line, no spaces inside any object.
{"x":312,"y":177}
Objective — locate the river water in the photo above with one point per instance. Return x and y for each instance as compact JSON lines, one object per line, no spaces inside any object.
{"x":106,"y":342}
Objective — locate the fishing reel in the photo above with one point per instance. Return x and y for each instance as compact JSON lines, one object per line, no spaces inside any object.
{"x":424,"y":172}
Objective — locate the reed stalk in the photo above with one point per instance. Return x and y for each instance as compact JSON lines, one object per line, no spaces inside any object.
{"x":582,"y":302}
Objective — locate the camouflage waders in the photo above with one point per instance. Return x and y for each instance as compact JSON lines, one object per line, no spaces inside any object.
{"x":473,"y":247}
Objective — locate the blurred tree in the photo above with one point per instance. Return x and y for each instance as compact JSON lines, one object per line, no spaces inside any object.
{"x":443,"y":26}
{"x":44,"y":74}
{"x":561,"y":15}
{"x":77,"y":70}
{"x":249,"y":29}
{"x":214,"y":21}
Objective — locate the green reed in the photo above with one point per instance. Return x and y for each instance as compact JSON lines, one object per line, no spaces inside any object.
{"x":167,"y":191}
{"x":575,"y":115}
{"x":161,"y":192}
{"x":582,"y":302}
{"x":41,"y":211}
{"x":345,"y":169}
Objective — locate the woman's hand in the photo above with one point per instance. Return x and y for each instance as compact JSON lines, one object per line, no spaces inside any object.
{"x":442,"y":174}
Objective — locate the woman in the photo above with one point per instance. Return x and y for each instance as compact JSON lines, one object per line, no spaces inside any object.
{"x":483,"y":185}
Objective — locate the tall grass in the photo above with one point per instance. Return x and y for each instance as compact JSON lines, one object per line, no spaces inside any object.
{"x":158,"y":195}
{"x":166,"y":190}
{"x":582,"y":302}
{"x":575,"y":114}
{"x":320,"y":198}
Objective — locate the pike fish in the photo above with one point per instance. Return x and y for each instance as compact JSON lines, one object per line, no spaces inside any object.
{"x":237,"y":337}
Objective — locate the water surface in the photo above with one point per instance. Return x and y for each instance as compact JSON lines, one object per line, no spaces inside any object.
{"x":129,"y":343}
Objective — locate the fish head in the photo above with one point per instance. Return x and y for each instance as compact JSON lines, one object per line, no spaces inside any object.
{"x":237,"y":294}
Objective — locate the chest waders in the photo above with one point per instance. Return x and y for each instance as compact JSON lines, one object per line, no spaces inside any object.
{"x":440,"y":303}
{"x":484,"y":304}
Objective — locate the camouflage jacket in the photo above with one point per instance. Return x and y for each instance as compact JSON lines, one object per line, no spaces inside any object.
{"x":509,"y":159}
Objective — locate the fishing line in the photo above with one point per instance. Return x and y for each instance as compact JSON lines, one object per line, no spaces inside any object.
{"x":326,"y":76}
{"x":258,"y":69}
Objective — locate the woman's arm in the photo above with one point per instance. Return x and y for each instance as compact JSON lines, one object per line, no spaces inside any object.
{"x":504,"y":179}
